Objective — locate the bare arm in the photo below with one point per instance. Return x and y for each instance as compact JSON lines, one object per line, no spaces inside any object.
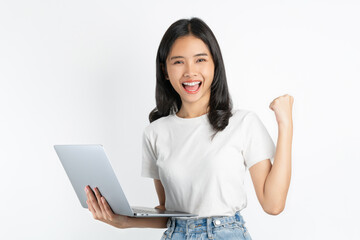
{"x":101,"y":211}
{"x":160,"y":192}
{"x":271,"y":182}
{"x":151,"y":222}
{"x":155,"y":222}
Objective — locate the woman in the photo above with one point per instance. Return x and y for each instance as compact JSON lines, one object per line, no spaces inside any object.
{"x":197,"y":147}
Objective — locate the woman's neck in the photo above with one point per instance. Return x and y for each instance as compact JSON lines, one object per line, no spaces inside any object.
{"x":192,"y":111}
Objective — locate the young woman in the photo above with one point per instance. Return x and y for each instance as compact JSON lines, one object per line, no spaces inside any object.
{"x":197,"y":147}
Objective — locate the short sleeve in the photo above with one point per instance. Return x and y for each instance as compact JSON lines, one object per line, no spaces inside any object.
{"x":149,"y":167}
{"x":258,"y":144}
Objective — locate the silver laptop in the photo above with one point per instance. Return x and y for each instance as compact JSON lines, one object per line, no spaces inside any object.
{"x":89,"y":165}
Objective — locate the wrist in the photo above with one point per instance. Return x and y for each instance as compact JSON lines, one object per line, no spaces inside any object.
{"x":122,"y":224}
{"x":127,"y":223}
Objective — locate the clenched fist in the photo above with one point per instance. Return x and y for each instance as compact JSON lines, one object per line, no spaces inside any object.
{"x":282,"y":106}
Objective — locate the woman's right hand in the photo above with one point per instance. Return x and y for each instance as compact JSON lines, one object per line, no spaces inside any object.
{"x":101,"y":210}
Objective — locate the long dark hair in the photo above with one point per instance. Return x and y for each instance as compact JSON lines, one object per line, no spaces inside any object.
{"x":168,"y":100}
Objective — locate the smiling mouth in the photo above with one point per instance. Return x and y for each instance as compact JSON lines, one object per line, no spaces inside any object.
{"x":192,"y":89}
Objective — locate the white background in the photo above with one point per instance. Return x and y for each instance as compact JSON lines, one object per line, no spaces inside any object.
{"x":77,"y":72}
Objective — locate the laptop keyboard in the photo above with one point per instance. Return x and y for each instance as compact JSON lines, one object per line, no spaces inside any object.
{"x":145,"y":210}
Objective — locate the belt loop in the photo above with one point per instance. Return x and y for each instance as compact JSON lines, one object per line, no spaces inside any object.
{"x":209,"y":228}
{"x":171,"y":229}
{"x":168,"y":223}
{"x":238,"y":216}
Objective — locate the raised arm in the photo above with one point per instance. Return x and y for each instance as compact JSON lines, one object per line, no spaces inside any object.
{"x":271,"y":182}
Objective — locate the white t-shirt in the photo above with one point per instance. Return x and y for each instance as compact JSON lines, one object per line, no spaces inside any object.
{"x":201,"y":176}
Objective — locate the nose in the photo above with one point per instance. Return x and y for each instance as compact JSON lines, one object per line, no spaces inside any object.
{"x":190,"y":70}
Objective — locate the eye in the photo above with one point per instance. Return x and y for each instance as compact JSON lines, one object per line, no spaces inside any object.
{"x":177,"y":62}
{"x":202,"y":60}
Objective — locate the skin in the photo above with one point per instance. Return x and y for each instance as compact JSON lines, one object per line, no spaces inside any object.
{"x":101,"y":210}
{"x":271,"y":182}
{"x":184,"y":63}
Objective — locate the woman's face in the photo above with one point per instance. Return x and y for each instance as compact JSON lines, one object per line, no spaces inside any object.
{"x":189,"y":60}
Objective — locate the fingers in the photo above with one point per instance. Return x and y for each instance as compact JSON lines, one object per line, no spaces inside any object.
{"x":98,"y":205}
{"x":91,"y":209}
{"x":107,"y":208}
{"x":284,"y":98}
{"x":88,"y":201}
{"x":98,"y":198}
{"x":92,"y":199}
{"x":100,"y":202}
{"x":93,"y":204}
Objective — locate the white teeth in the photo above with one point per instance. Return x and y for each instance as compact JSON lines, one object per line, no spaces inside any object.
{"x":191,"y":84}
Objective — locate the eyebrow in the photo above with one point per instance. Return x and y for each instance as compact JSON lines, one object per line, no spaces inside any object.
{"x":196,"y":55}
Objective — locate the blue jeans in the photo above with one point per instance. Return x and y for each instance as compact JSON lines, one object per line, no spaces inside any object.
{"x":216,"y":228}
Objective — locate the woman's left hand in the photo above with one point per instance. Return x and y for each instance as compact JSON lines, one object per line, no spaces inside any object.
{"x":282,"y":106}
{"x":101,"y":210}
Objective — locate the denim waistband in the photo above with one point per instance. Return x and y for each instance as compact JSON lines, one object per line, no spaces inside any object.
{"x":205,"y":223}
